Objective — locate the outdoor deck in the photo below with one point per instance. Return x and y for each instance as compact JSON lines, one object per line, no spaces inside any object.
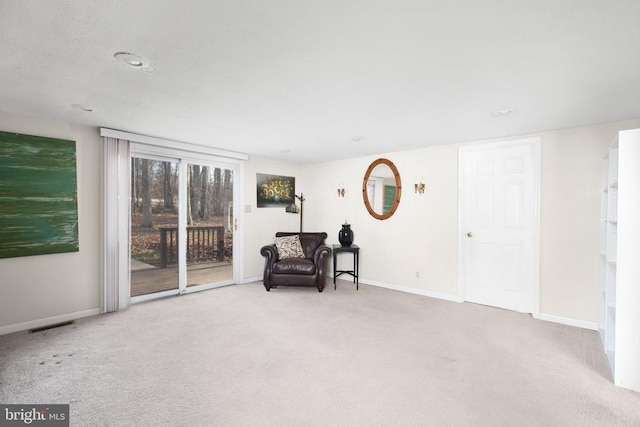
{"x":146,"y":279}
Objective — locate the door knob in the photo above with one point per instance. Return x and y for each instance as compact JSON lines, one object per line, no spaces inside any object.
{"x":469,"y":234}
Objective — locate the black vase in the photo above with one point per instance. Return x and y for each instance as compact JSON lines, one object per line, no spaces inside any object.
{"x":345,"y":236}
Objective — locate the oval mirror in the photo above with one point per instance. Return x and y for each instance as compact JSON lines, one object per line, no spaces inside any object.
{"x":381,"y":189}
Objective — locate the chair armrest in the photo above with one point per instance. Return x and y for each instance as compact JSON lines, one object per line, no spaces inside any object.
{"x":270,"y":253}
{"x":320,"y":259}
{"x":321,"y":254}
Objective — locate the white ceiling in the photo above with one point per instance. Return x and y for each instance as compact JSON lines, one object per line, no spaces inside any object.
{"x":317,"y":80}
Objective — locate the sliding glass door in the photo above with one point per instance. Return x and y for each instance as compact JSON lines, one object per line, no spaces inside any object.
{"x":154,"y":225}
{"x":209,"y":224}
{"x":182,"y":225}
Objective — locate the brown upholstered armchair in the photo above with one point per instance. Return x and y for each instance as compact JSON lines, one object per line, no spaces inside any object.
{"x":307,"y":269}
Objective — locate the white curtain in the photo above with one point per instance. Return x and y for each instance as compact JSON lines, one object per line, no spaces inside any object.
{"x":115,"y":224}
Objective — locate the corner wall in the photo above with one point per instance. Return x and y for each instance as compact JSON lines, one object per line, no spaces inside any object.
{"x":261,"y":224}
{"x":41,"y":290}
{"x":422,"y":235}
{"x":571,"y":186}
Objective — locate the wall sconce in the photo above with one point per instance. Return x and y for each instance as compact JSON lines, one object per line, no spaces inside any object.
{"x":419,"y":185}
{"x":341,"y":190}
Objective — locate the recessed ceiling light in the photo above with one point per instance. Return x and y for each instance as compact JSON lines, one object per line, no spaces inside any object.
{"x":502,"y":113}
{"x":357,"y":139}
{"x":85,"y":108}
{"x":132,"y":60}
{"x":285,"y":151}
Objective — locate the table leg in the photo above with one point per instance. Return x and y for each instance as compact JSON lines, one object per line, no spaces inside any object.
{"x":334,"y":271}
{"x":357,"y":268}
{"x":354,"y":267}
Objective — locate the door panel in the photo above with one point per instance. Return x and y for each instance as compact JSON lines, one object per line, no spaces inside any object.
{"x":154,"y":226}
{"x":484,"y":206}
{"x":498,"y":221}
{"x":512,"y":258}
{"x":210,"y":215}
{"x":514,"y":199}
{"x":482,"y":266}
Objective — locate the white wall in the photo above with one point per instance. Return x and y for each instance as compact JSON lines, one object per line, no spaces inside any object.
{"x":44,"y":289}
{"x":422,"y":236}
{"x":261,"y":224}
{"x":571,"y":185}
{"x":419,"y":238}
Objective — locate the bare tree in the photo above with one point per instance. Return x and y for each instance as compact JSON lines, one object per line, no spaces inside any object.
{"x":167,"y":186}
{"x":147,"y":217}
{"x":204,"y":193}
{"x":227,"y":195}
{"x":194,"y":191}
{"x":134,"y":184}
{"x":217,"y":191}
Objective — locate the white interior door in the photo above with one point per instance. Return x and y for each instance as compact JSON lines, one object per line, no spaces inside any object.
{"x":498,"y":220}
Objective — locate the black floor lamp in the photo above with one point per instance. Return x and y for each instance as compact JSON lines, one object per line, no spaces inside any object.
{"x":293,"y":208}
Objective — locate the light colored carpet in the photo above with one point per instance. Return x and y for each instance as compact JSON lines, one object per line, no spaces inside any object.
{"x":239,"y":356}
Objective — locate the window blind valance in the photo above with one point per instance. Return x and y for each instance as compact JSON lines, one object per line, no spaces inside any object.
{"x":170,"y":144}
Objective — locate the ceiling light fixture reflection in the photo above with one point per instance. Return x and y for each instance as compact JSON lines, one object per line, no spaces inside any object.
{"x":132,"y":60}
{"x":503,"y":112}
{"x":84,"y":108}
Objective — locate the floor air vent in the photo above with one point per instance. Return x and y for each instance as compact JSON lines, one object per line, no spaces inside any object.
{"x":56,"y":325}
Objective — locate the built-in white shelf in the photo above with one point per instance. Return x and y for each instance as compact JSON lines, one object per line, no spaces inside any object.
{"x":619,"y":290}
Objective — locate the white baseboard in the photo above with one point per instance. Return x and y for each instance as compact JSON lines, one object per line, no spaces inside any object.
{"x":568,"y":321}
{"x":411,"y":290}
{"x":447,"y":297}
{"x":38,"y":323}
{"x":542,"y":316}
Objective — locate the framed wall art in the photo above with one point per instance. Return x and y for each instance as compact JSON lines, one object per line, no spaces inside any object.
{"x":275,"y":190}
{"x":38,"y":195}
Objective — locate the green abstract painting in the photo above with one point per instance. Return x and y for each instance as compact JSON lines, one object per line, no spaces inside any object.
{"x":38,"y":195}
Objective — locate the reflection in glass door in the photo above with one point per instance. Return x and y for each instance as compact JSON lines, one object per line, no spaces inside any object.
{"x":154,"y":226}
{"x":181,"y":226}
{"x":209,"y":224}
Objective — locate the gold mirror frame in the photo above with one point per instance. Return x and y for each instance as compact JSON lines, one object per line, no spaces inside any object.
{"x":365,"y":196}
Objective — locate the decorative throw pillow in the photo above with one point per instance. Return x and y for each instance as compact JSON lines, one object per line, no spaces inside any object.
{"x":289,"y":247}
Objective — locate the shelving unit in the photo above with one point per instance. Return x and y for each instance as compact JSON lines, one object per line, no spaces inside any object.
{"x":619,"y":294}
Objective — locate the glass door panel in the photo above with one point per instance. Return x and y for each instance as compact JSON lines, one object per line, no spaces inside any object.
{"x":154,"y":226}
{"x":209,"y":224}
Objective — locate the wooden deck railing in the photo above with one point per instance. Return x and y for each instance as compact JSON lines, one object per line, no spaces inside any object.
{"x":204,"y":243}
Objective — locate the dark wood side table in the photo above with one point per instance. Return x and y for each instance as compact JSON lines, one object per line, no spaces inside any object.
{"x":355,"y":250}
